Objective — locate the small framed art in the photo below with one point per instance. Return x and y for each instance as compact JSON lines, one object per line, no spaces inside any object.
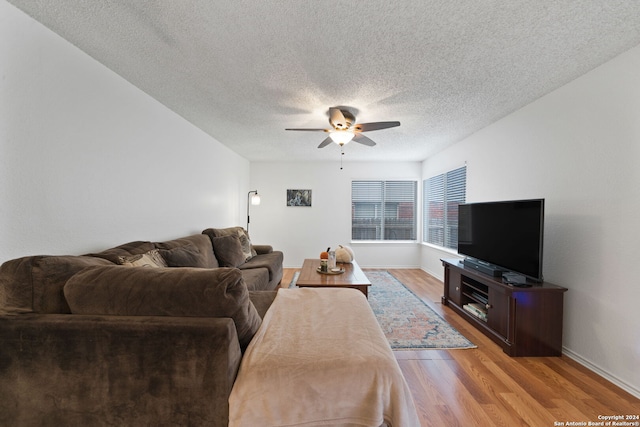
{"x":299,"y":198}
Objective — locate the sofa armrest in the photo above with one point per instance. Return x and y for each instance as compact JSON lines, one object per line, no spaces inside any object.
{"x":116,"y":370}
{"x":262,"y":249}
{"x":271,"y":261}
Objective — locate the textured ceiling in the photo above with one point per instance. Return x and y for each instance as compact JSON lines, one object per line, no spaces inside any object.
{"x":244,"y":70}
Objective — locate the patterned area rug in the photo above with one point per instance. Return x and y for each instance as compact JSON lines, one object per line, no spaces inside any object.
{"x":407,"y":322}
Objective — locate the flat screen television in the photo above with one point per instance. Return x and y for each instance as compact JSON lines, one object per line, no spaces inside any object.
{"x":507,"y":235}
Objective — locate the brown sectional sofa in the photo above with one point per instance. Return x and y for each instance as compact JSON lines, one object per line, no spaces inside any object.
{"x":86,"y":340}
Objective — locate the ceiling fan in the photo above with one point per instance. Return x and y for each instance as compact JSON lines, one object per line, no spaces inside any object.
{"x":344,"y":128}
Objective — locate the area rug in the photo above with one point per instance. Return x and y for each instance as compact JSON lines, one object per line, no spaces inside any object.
{"x":407,"y":322}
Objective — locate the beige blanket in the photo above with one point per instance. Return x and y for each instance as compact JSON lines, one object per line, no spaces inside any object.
{"x":320,"y":359}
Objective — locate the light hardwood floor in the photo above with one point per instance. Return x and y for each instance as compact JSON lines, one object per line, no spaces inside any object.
{"x":485,"y":387}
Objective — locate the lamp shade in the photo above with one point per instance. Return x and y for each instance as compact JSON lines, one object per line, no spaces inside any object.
{"x":341,"y":137}
{"x":252,"y":199}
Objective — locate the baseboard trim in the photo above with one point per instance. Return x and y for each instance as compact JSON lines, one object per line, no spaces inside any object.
{"x":375,"y":267}
{"x":598,"y":370}
{"x":437,"y":275}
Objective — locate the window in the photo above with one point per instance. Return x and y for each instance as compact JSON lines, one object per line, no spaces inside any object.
{"x":442,"y":195}
{"x":383,"y":210}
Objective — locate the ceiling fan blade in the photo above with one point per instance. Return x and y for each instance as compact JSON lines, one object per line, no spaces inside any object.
{"x":361,"y":139}
{"x":326,"y":142}
{"x":312,"y":130}
{"x":337,"y":119}
{"x":366,"y":127}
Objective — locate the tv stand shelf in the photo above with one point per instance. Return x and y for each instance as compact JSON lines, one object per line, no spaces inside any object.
{"x":524,"y":321}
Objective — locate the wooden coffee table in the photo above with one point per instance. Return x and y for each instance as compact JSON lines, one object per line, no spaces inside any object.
{"x":352,"y":277}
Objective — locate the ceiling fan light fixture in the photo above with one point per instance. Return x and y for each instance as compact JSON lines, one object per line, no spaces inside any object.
{"x":341,"y":137}
{"x":343,"y":129}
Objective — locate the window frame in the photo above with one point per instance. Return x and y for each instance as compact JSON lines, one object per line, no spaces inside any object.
{"x":379,"y":199}
{"x":441,"y":194}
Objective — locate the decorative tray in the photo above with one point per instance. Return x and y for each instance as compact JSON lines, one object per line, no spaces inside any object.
{"x":330,"y":272}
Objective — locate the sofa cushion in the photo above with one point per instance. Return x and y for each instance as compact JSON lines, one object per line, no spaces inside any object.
{"x":219,"y":232}
{"x":127,"y":249}
{"x":183,"y":256}
{"x":205,"y":257}
{"x":203,"y":243}
{"x":151,"y":259}
{"x":243,"y":235}
{"x":181,"y":292}
{"x":228,"y":250}
{"x":245,"y":244}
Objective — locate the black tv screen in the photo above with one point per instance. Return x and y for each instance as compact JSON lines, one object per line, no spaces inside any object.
{"x":508,"y":234}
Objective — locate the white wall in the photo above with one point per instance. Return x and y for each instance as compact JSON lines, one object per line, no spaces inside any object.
{"x":87,"y":161}
{"x":303,"y":232}
{"x":579,"y":148}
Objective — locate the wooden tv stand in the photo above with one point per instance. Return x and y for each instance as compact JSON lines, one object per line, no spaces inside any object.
{"x":524,"y":321}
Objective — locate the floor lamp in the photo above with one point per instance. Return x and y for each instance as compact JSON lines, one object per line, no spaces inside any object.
{"x":251,"y":200}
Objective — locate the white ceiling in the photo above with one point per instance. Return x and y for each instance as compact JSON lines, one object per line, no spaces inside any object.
{"x":244,"y":70}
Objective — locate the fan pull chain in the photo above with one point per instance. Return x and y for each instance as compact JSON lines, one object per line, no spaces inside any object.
{"x":341,"y":154}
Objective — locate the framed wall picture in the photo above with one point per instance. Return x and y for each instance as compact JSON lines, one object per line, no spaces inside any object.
{"x":299,"y":198}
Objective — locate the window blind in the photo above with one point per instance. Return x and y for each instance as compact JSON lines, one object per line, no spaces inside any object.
{"x":442,"y":195}
{"x":383,"y":210}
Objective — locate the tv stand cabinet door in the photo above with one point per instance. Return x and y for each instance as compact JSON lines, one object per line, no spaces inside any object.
{"x":499,"y":312}
{"x":537,"y":323}
{"x":453,"y":285}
